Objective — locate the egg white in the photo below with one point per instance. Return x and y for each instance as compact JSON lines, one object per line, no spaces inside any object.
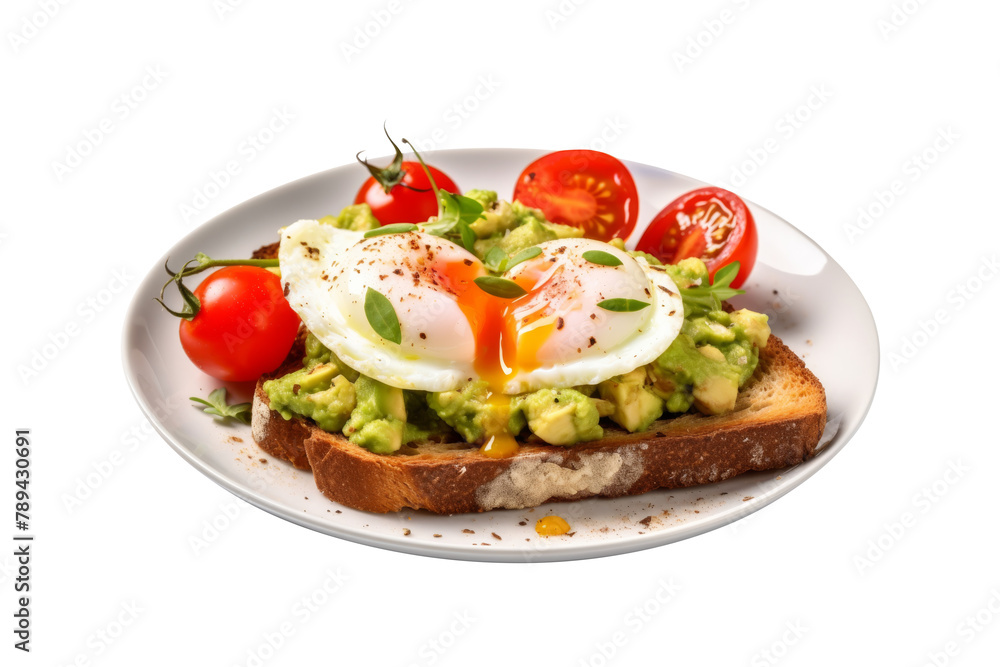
{"x":594,"y":344}
{"x":327,"y":272}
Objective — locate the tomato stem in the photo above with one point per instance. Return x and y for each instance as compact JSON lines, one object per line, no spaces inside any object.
{"x":437,"y":193}
{"x":202,"y":262}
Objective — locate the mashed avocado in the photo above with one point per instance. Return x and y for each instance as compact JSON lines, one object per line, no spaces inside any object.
{"x":709,"y":361}
{"x":471,"y":412}
{"x":319,"y":392}
{"x":356,"y":217}
{"x":714,"y":355}
{"x":512,"y":226}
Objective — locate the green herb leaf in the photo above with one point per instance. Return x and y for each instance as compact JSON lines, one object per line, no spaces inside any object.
{"x":468,"y":236}
{"x":523,"y":256}
{"x":500,"y":287}
{"x":218,"y":406}
{"x":496,"y":259}
{"x":382,"y":316}
{"x":706,"y":298}
{"x":397,"y":228}
{"x":469,"y":210}
{"x":602,"y":258}
{"x":726,"y":275}
{"x":455,"y":210}
{"x":622,"y":305}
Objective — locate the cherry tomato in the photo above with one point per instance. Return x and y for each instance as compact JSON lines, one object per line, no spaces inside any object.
{"x":710,"y":223}
{"x":403,"y":202}
{"x":245,"y":327}
{"x":586,"y":189}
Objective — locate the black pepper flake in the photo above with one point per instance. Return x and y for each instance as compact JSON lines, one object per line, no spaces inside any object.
{"x":295,"y":389}
{"x":560,"y":323}
{"x":467,"y":262}
{"x":561,"y":250}
{"x":423,"y":336}
{"x":593,"y":316}
{"x":647,"y":291}
{"x":398,"y":272}
{"x":593,"y":341}
{"x":285,"y":292}
{"x":671,"y":313}
{"x":666,"y":290}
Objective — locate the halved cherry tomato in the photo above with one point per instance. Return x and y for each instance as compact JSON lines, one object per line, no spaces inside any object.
{"x":244,"y":328}
{"x":582,"y":188}
{"x":710,"y":223}
{"x":410,"y":200}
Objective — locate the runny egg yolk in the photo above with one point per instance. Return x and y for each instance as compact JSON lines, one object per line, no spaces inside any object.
{"x":503,"y":345}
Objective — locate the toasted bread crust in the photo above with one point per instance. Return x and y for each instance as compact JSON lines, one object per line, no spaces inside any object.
{"x":778,"y":421}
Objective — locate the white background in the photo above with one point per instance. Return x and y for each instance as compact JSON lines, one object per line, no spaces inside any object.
{"x":828,"y":575}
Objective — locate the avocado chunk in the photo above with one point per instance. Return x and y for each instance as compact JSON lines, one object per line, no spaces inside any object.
{"x":715,"y":394}
{"x":635,"y":406}
{"x":753,"y":326}
{"x":564,"y":231}
{"x":561,"y":416}
{"x":687,"y":272}
{"x":475,"y":413}
{"x":378,"y":421}
{"x":497,"y":215}
{"x":486,"y":198}
{"x":356,"y":217}
{"x":319,"y":392}
{"x":709,"y":330}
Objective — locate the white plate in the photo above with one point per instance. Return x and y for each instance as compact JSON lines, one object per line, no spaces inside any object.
{"x":813,"y":304}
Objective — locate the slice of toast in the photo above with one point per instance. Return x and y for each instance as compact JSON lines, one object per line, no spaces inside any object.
{"x":778,"y":420}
